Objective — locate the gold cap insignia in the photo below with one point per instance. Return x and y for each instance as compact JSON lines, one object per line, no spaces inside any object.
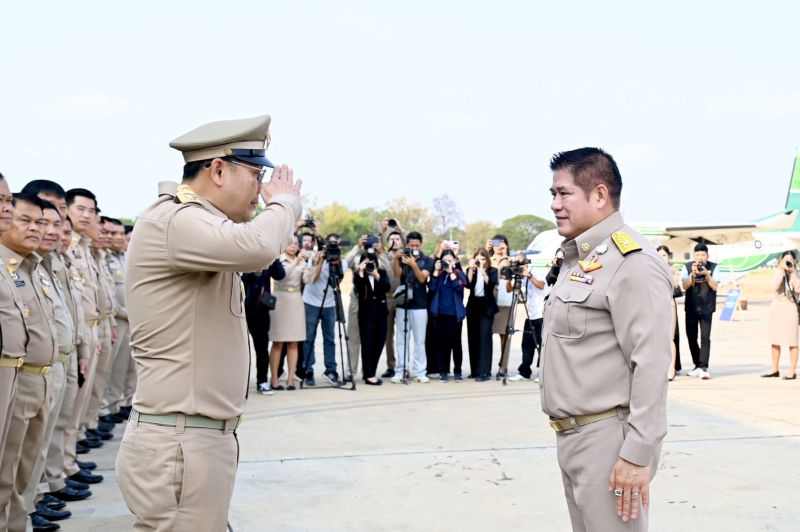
{"x":229,"y":152}
{"x":625,"y":243}
{"x":584,"y":247}
{"x":13,"y":261}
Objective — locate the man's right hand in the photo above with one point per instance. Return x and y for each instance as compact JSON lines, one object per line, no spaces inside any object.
{"x":83,"y":366}
{"x":281,"y":182}
{"x":408,"y":261}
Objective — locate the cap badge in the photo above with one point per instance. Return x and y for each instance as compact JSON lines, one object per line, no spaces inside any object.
{"x":229,"y":152}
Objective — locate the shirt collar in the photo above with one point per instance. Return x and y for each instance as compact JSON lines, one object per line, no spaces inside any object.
{"x":170,"y":188}
{"x":15,"y":260}
{"x":591,"y":238}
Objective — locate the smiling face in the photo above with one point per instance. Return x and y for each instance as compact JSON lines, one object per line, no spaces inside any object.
{"x":53,"y":232}
{"x":82,"y":212}
{"x":573,"y":210}
{"x":24,"y":235}
{"x":118,"y":237}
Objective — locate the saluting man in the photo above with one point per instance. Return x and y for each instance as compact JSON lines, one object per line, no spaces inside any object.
{"x":185,"y":300}
{"x":606,"y":349}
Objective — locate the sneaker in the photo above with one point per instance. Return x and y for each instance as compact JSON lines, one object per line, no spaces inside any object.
{"x":705,"y":375}
{"x":443,"y":377}
{"x":457,"y":377}
{"x":397,"y":379}
{"x":536,"y":380}
{"x":264,"y":389}
{"x":696,"y":372}
{"x":332,"y":378}
{"x":388,"y":374}
{"x":310,"y":381}
{"x":422,"y":378}
{"x":683,"y":373}
{"x":518,"y":377}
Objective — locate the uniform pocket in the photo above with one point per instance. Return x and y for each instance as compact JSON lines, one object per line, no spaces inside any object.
{"x":180,"y":468}
{"x":567,"y":318}
{"x":137,"y":450}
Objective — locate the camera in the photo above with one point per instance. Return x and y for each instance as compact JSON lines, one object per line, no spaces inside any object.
{"x":446,"y":266}
{"x":701,"y":266}
{"x":392,"y":222}
{"x":310,"y":223}
{"x":514,"y":269}
{"x":408,"y":252}
{"x":370,"y":267}
{"x":371,"y":241}
{"x":332,"y":251}
{"x":789,"y":264}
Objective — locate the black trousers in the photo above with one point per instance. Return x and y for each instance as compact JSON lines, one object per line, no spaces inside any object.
{"x":447,"y":334}
{"x":430,"y":346}
{"x":700,"y":353}
{"x":258,"y":325}
{"x":479,"y":336}
{"x":677,"y":341}
{"x":531,"y":341}
{"x":372,"y":327}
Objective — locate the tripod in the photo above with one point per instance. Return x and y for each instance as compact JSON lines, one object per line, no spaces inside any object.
{"x":506,"y":347}
{"x":406,"y":275}
{"x":334,"y":280}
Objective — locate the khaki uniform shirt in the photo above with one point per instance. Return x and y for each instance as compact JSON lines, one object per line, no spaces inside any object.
{"x":185,"y":300}
{"x":71,"y":278}
{"x":107,"y":293}
{"x":117,"y":269}
{"x":80,"y":254}
{"x":36,"y":289}
{"x":12,"y":312}
{"x":65,"y":325}
{"x":607,"y":344}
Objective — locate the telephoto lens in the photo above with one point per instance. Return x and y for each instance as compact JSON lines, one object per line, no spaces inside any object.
{"x":789,"y":264}
{"x":370,"y":267}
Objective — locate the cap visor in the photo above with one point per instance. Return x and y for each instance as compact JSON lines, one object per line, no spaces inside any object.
{"x":260,"y":161}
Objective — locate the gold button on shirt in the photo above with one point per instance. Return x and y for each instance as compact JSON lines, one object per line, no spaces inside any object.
{"x":606,"y":336}
{"x":185,"y":305}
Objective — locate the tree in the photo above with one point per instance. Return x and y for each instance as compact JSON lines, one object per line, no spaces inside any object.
{"x":446,"y":215}
{"x":475,"y":235}
{"x":521,"y":230}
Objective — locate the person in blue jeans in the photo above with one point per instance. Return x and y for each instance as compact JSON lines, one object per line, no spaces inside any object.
{"x":448,"y":312}
{"x":316,"y":280}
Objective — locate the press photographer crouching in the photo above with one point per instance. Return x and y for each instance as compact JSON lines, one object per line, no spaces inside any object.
{"x":371,"y":288}
{"x":783,"y":314}
{"x":700,"y":281}
{"x":482,"y":280}
{"x":447,"y":312}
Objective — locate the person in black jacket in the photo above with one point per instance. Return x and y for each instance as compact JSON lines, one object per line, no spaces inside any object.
{"x":447,"y":313}
{"x":371,"y":286}
{"x":481,"y":307}
{"x":257,"y":292}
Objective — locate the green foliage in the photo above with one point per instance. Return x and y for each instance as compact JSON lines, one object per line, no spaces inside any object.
{"x":128,"y":221}
{"x":521,"y":230}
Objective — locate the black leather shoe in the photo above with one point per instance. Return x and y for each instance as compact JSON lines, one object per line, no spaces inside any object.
{"x":40,"y":524}
{"x":42,"y":510}
{"x":52,"y":502}
{"x":125,"y":412}
{"x":70,"y":495}
{"x":102,"y":426}
{"x":482,"y":378}
{"x":81,"y":449}
{"x":88,"y":466}
{"x":112,"y":418}
{"x":376,"y":383}
{"x":74,"y":484}
{"x":768,"y":375}
{"x":388,"y":374}
{"x":91,"y":444}
{"x":348,"y":378}
{"x":100,"y":434}
{"x":86,"y":477}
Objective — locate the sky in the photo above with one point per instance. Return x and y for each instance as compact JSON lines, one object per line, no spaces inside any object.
{"x":699,"y":102}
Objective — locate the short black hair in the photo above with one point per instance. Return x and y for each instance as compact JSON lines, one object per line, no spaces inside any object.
{"x":67,"y":219}
{"x":2,"y":176}
{"x":30,"y":199}
{"x":128,"y":229}
{"x":190,"y":170}
{"x":333,"y":235}
{"x":303,"y":235}
{"x":665,"y":248}
{"x":590,"y":167}
{"x":414,"y":235}
{"x":43,"y":186}
{"x":49,"y":205}
{"x":82,"y":192}
{"x":701,"y":247}
{"x":104,"y":219}
{"x":116,"y":222}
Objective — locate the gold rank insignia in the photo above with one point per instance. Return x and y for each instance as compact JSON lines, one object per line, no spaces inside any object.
{"x":585,"y":247}
{"x":186,"y":194}
{"x":119,"y":273}
{"x":590,"y":265}
{"x":625,"y":243}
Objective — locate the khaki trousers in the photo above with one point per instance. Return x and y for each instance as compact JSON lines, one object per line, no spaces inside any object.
{"x":71,"y":435}
{"x":58,"y":385}
{"x":130,"y":384}
{"x":177,"y":480}
{"x":390,"y":356}
{"x":353,"y":336}
{"x":104,"y":364}
{"x":121,"y":356}
{"x":8,"y":390}
{"x":25,"y":435}
{"x":586,"y":459}
{"x":53,"y":477}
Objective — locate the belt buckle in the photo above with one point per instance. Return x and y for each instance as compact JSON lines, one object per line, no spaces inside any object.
{"x":554,"y":424}
{"x":20,"y":362}
{"x":45,"y":370}
{"x":239,"y":423}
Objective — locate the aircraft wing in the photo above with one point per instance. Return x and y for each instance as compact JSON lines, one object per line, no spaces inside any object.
{"x":732,"y":233}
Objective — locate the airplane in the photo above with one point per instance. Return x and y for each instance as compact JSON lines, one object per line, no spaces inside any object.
{"x":738,"y":248}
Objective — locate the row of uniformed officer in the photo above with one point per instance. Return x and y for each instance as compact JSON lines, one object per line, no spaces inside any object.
{"x":47,"y":342}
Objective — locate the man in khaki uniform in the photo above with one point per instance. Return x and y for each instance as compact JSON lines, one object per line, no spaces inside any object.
{"x":12,"y":321}
{"x":606,"y":349}
{"x":32,"y":402}
{"x":178,"y":458}
{"x":121,"y":354}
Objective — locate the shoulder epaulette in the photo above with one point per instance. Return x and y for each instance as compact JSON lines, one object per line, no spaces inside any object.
{"x":186,"y":194}
{"x":625,"y":243}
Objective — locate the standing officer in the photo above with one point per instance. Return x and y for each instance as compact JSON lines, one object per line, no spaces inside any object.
{"x":606,"y":349}
{"x":178,"y":458}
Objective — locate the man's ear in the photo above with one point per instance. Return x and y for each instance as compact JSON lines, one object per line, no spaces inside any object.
{"x":215,"y":172}
{"x":601,"y":196}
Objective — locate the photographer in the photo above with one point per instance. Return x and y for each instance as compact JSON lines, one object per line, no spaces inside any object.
{"x":258,"y":303}
{"x":555,"y":268}
{"x":371,"y":246}
{"x":394,"y":242}
{"x":783,"y":314}
{"x":413,"y":268}
{"x":430,"y":335}
{"x":666,"y":254}
{"x":316,"y":280}
{"x":498,"y":249}
{"x":536,"y":291}
{"x":700,"y":281}
{"x":482,"y":279}
{"x":371,"y":285}
{"x":447,"y":313}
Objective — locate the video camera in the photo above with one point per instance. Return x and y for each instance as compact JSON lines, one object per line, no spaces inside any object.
{"x":333,"y":249}
{"x":514,"y":269}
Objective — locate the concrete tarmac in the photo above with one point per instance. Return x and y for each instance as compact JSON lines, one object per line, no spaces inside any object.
{"x":480,"y":456}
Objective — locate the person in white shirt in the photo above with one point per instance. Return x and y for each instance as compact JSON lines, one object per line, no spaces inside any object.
{"x":536,"y":290}
{"x":316,"y":280}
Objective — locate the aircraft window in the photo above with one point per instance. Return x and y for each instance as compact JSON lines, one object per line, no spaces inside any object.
{"x":535,"y":248}
{"x":686,"y":256}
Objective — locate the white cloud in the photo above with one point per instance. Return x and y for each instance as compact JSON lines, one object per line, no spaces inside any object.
{"x":86,"y":107}
{"x":757,"y":99}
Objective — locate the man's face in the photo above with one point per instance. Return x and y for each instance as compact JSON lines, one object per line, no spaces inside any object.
{"x":108,"y":237}
{"x":60,"y":203}
{"x":415,"y":244}
{"x":395,"y":242}
{"x":82,"y":212}
{"x":241,"y":188}
{"x":308,"y":242}
{"x":127,"y":240}
{"x":700,"y":256}
{"x":93,"y":231}
{"x":53,"y":232}
{"x":6,"y":209}
{"x":118,"y":240}
{"x":66,"y":237}
{"x":574,"y":214}
{"x":24,"y":235}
